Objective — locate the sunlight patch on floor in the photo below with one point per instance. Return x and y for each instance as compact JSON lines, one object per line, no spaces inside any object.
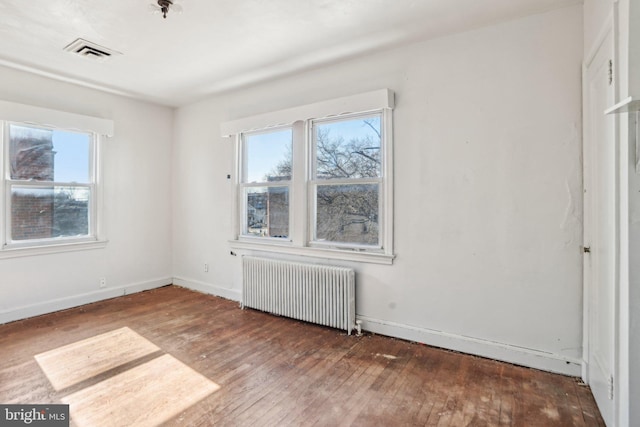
{"x":76,"y":362}
{"x":145,"y":395}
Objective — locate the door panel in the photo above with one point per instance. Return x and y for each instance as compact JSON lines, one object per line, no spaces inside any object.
{"x":600,"y":229}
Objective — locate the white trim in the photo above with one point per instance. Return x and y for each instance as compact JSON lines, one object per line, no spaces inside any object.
{"x":323,"y":253}
{"x":235,"y":189}
{"x":387,"y":203}
{"x":58,"y":304}
{"x":5,"y":203}
{"x":298,"y":195}
{"x":83,"y":83}
{"x":98,"y":185}
{"x":368,"y":101}
{"x":586,"y":228}
{"x":14,"y":112}
{"x":18,"y":252}
{"x":495,"y":350}
{"x":208,"y":288}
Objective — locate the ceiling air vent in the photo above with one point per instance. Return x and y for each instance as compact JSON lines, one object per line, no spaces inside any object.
{"x":90,"y":50}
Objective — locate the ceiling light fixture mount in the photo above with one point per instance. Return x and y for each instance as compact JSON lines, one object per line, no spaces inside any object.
{"x":164,"y":6}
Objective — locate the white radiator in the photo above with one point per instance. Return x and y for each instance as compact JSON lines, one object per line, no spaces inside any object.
{"x":314,"y":293}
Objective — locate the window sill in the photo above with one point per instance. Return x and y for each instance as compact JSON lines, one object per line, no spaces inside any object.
{"x":17,"y":252}
{"x":341,"y":254}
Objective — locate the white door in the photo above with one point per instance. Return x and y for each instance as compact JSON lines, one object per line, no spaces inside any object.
{"x":600,"y":229}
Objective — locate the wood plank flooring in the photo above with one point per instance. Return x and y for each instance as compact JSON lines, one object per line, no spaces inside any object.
{"x":275,"y":371}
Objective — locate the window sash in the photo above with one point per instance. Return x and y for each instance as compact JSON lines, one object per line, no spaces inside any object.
{"x":245,"y":211}
{"x":91,"y":185}
{"x":16,"y":243}
{"x":313,"y":138}
{"x":244,"y":185}
{"x":244,"y":167}
{"x":315,"y":182}
{"x":313,"y":214}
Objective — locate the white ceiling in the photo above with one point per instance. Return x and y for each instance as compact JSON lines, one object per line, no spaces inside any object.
{"x":217,"y":45}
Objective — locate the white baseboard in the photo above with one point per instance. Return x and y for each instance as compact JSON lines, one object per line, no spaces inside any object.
{"x":208,"y":288}
{"x":58,"y":304}
{"x":493,"y":350}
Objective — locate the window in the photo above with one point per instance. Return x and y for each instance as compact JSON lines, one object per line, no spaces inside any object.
{"x":346,"y":180}
{"x":266,"y":183}
{"x":50,"y":195}
{"x":317,"y":186}
{"x":50,"y":184}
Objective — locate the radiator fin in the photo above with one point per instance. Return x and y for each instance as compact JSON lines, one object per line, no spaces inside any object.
{"x":319,"y":294}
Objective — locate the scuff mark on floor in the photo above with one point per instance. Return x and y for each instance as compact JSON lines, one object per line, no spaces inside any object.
{"x":551,"y":413}
{"x":387,"y":356}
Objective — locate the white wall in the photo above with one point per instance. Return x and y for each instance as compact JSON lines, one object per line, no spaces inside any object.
{"x":596,"y":14}
{"x":137,"y":216}
{"x":488,"y":226}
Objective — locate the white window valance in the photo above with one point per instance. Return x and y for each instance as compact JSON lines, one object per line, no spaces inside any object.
{"x":14,"y":112}
{"x":368,"y":101}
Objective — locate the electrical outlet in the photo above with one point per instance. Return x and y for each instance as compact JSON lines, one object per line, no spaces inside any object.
{"x":103,"y":282}
{"x":206,"y":268}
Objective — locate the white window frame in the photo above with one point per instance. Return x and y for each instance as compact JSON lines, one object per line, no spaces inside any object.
{"x":314,"y":183}
{"x":244,"y":185}
{"x":301,"y":196}
{"x":37,"y":117}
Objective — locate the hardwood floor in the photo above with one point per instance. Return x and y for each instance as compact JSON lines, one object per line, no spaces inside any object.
{"x":274,"y":371}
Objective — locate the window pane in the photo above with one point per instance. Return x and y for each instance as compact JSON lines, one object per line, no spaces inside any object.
{"x":347,"y":213}
{"x":268,"y":156}
{"x":268,"y":211}
{"x":49,"y":155}
{"x":43,"y":213}
{"x":348,"y":148}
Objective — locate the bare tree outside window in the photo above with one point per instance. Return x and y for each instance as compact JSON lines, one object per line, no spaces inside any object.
{"x":347,"y":175}
{"x":351,"y":150}
{"x":347,"y":180}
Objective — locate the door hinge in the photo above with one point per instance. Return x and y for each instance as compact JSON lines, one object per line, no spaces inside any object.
{"x":610,"y":388}
{"x":610,"y":72}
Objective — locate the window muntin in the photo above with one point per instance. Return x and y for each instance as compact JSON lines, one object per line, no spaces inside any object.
{"x":346,"y":181}
{"x":49,"y":185}
{"x":266,"y":184}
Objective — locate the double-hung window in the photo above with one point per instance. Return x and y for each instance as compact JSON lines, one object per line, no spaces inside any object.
{"x":319,"y":185}
{"x":266,"y":183}
{"x":50,"y":179}
{"x":346,"y":181}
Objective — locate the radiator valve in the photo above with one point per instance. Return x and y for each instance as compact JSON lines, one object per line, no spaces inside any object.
{"x":359,"y":328}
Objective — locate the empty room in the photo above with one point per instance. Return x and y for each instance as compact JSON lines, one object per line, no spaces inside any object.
{"x":322,"y":212}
